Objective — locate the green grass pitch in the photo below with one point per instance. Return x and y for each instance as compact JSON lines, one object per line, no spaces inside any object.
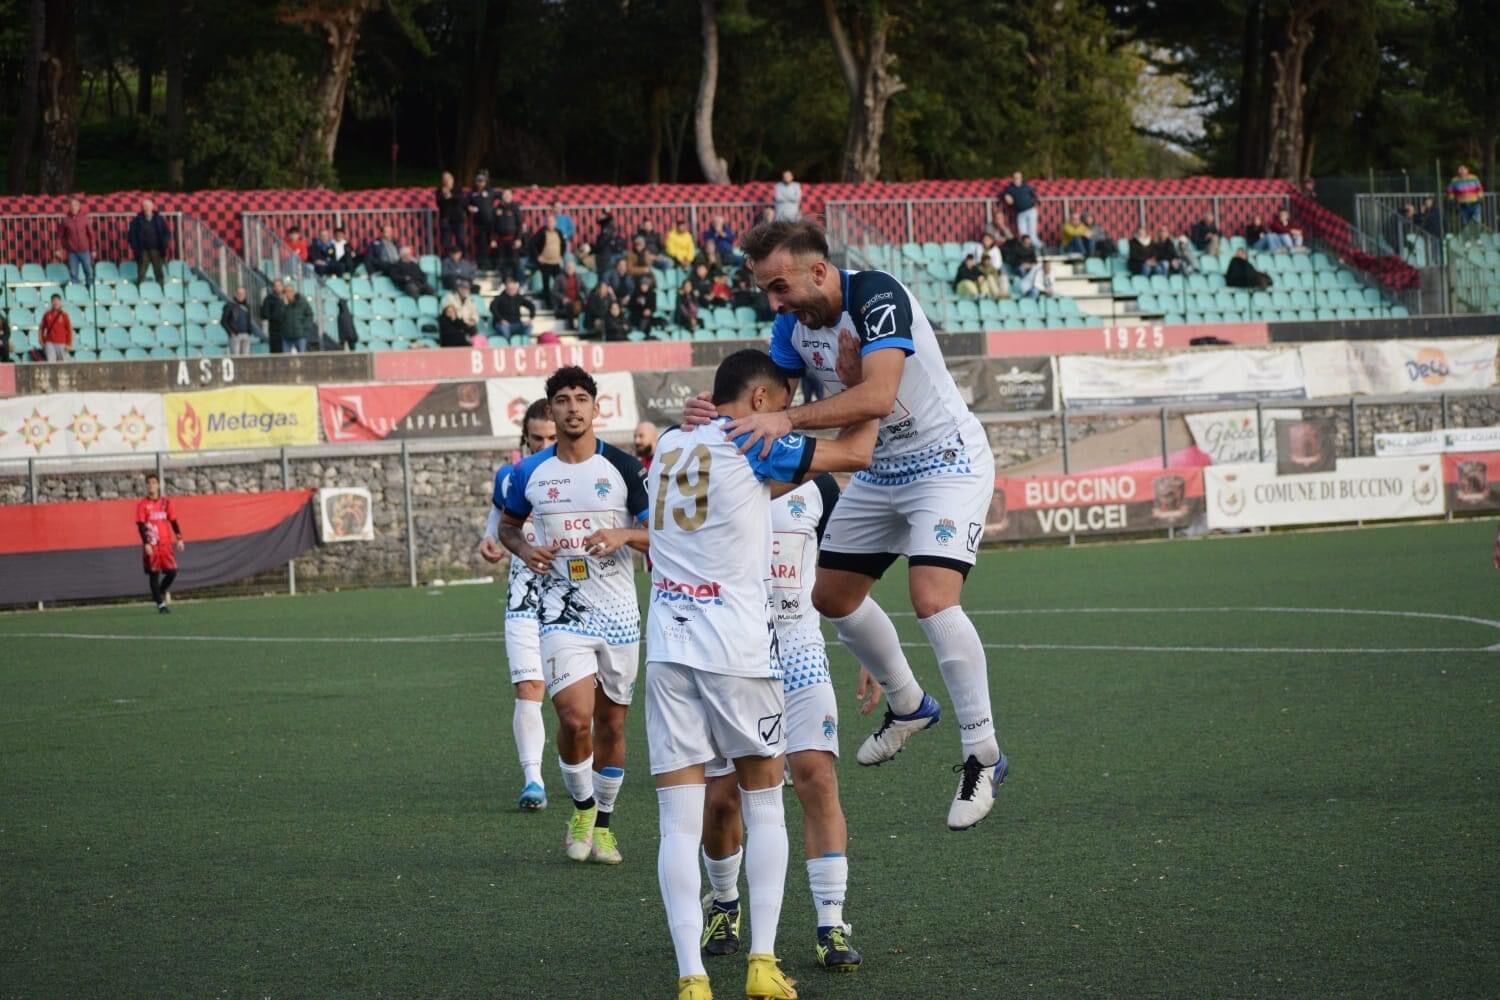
{"x":1219,"y":800}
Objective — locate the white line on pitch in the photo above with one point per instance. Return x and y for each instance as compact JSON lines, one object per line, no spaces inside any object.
{"x":377,"y":640}
{"x":1106,"y":648}
{"x":1380,"y":612}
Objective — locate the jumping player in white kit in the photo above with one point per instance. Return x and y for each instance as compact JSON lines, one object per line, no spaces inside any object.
{"x":714,"y":668}
{"x":925,"y":495}
{"x":812,"y":730}
{"x":523,"y":598}
{"x":585,"y":500}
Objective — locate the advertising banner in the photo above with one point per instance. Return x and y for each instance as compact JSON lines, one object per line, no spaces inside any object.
{"x":1122,"y":338}
{"x":182,"y":374}
{"x":509,"y":397}
{"x":345,"y":514}
{"x":1471,"y":480}
{"x":1306,"y":446}
{"x":1009,"y":385}
{"x":1228,"y":436}
{"x":1393,"y":367}
{"x":1213,"y":376}
{"x":540,"y":359}
{"x":81,"y":423}
{"x":659,"y":396}
{"x":375,"y":412}
{"x":1437,"y":442}
{"x":262,"y":416}
{"x":1360,"y":489}
{"x":1094,"y":503}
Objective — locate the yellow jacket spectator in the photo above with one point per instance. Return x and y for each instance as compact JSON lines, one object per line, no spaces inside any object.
{"x":679,"y":244}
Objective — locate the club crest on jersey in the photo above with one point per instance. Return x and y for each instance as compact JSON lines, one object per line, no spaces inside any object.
{"x":796,"y":506}
{"x":945,"y":530}
{"x":830,"y":727}
{"x":602,"y":487}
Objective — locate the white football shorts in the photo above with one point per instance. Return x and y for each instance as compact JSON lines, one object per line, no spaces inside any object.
{"x":523,"y":649}
{"x":693,"y":717}
{"x":568,"y":658}
{"x":812,"y":723}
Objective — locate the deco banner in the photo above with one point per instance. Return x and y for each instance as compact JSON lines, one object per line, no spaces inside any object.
{"x":376,"y":412}
{"x":1094,"y":503}
{"x":509,"y":398}
{"x":1437,"y":442}
{"x":1396,"y":367}
{"x":1360,"y":489}
{"x":1472,"y":481}
{"x":1211,"y":377}
{"x":660,"y":395}
{"x":81,"y":423}
{"x":260,"y":416}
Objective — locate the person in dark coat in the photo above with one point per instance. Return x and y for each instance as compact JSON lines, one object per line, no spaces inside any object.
{"x":506,"y":309}
{"x":508,"y":237}
{"x":1242,"y":274}
{"x":481,"y":207}
{"x":235,"y":319}
{"x":596,"y":308}
{"x":616,"y":324}
{"x":643,"y":305}
{"x":452,"y":331}
{"x":348,"y":336}
{"x":272,"y":311}
{"x":149,"y":240}
{"x":685,"y":314}
{"x":453,"y":214}
{"x":297,"y":319}
{"x":408,"y":275}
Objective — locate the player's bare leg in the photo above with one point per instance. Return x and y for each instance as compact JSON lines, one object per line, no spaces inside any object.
{"x":575,"y":755}
{"x":530,"y":734}
{"x":723,"y":841}
{"x":843,"y":598}
{"x":935,"y":595}
{"x":825,"y":840}
{"x":609,"y":774}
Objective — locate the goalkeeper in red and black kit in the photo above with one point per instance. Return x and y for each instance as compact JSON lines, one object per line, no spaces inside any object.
{"x":153,"y":515}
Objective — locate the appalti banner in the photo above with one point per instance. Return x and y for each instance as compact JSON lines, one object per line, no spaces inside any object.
{"x":509,"y":398}
{"x":375,"y":412}
{"x":81,"y":423}
{"x":1438,"y":442}
{"x":1472,"y":480}
{"x":263,"y":416}
{"x":1397,"y":367}
{"x":1228,"y":436}
{"x":1094,"y":503}
{"x":1360,"y":489}
{"x":1210,"y":377}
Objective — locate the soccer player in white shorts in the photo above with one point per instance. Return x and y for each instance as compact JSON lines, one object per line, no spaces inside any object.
{"x":713,"y":667}
{"x":523,"y":652}
{"x":586,"y":500}
{"x":863,"y":336}
{"x":812,"y":748}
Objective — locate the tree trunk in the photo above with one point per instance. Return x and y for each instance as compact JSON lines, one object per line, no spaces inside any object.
{"x":23,"y":142}
{"x":60,"y":83}
{"x":867,"y":70}
{"x":1286,"y":132}
{"x":715,"y":169}
{"x":339,"y":22}
{"x":176,"y":113}
{"x":657,"y":105}
{"x":1250,"y":151}
{"x":145,"y":80}
{"x":476,"y":118}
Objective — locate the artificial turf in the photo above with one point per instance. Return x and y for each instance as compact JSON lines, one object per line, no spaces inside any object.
{"x":1241,"y":813}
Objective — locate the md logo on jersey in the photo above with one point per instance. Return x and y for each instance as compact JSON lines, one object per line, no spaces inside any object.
{"x":673,"y":592}
{"x":945,"y":530}
{"x":830,"y":727}
{"x":602,"y":487}
{"x":578,"y":569}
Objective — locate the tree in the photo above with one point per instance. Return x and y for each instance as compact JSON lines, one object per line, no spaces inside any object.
{"x":59,"y":94}
{"x":338,"y":21}
{"x":715,"y":169}
{"x":23,"y":141}
{"x":868,"y":69}
{"x":242,"y":139}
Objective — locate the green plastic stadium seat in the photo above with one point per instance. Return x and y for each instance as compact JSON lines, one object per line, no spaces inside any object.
{"x":150,"y":291}
{"x":127,"y":292}
{"x":111,"y":354}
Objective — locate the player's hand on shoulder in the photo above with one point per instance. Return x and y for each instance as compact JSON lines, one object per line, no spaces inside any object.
{"x":491,"y":550}
{"x":759,"y":428}
{"x":868,"y":692}
{"x":848,"y":365}
{"x":699,"y":410}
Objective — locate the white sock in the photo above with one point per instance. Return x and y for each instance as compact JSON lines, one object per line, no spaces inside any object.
{"x":724,"y":876}
{"x":680,"y":820}
{"x":526,"y":725}
{"x":578,"y":779}
{"x":872,"y":638}
{"x":607,"y":782}
{"x":766,"y":851}
{"x":960,"y":656}
{"x":828,"y":878}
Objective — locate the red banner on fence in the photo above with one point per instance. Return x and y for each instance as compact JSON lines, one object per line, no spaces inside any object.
{"x":404,"y":410}
{"x":1472,"y":480}
{"x":543,"y":359}
{"x":7,"y":380}
{"x":1120,"y":338}
{"x":1094,"y":503}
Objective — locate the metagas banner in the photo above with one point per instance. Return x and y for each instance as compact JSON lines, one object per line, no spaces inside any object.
{"x":1228,"y":436}
{"x":262,"y":416}
{"x":1360,"y":489}
{"x":1394,"y":367}
{"x":81,"y":423}
{"x":1210,"y":377}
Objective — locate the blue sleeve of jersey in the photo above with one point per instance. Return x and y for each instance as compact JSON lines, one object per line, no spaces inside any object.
{"x":782,"y":351}
{"x":516,"y":504}
{"x":497,"y":496}
{"x":634,"y":476}
{"x":881,"y":311}
{"x":790,"y":457}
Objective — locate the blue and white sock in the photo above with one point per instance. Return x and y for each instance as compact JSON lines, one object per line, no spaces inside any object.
{"x":607,"y":781}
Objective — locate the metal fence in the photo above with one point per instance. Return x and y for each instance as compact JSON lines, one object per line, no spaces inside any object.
{"x":275,"y":260}
{"x":416,"y":227}
{"x":35,"y":238}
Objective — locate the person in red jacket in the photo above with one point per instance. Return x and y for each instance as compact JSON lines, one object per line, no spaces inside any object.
{"x":76,"y":239}
{"x":57,"y":331}
{"x":161,"y":536}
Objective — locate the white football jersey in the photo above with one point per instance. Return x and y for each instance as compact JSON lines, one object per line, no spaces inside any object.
{"x":797,"y":522}
{"x":567,"y":502}
{"x":928,"y":428}
{"x":710,"y":523}
{"x":523,"y":588}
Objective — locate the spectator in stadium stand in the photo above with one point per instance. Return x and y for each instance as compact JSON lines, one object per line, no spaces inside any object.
{"x":1255,"y":234}
{"x":272,"y":313}
{"x":452,"y":213}
{"x":408,"y":276}
{"x":236,"y":321}
{"x":296,"y":242}
{"x":452,"y":331}
{"x":1282,"y":236}
{"x":1075,"y":236}
{"x":4,"y":338}
{"x":548,"y":247}
{"x":76,"y":239}
{"x":297,"y":320}
{"x":320,"y":253}
{"x":645,"y":443}
{"x":1103,"y":243}
{"x":640,"y":260}
{"x":1242,"y":274}
{"x":647,"y":231}
{"x":1025,"y":256}
{"x":1205,"y":236}
{"x":1038,"y":282}
{"x":679,"y":244}
{"x":966,"y":278}
{"x":348,"y":335}
{"x":1142,"y":258}
{"x":1400,"y":227}
{"x":616,"y":324}
{"x":722,"y":236}
{"x":344,"y":257}
{"x":743,"y":293}
{"x":565,"y":224}
{"x":703,"y":285}
{"x":1164,"y":249}
{"x":464,"y":304}
{"x":56,"y":331}
{"x":508,"y":236}
{"x":382,"y":254}
{"x":610,"y":245}
{"x":1021,"y":199}
{"x":482,"y":211}
{"x":685,"y":312}
{"x":994,"y":283}
{"x":1429,"y":218}
{"x":567,"y":295}
{"x":596,"y":308}
{"x":643,"y":306}
{"x":456,"y":269}
{"x":619,"y":279}
{"x":788,"y":198}
{"x":506,"y":309}
{"x":1466,"y":192}
{"x":149,"y":240}
{"x":583,"y":255}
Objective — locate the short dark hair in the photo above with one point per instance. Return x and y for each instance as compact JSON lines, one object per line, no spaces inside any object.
{"x":741,"y":370}
{"x":571,"y":377}
{"x":802,"y":238}
{"x":540,"y":409}
{"x":151,"y":475}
